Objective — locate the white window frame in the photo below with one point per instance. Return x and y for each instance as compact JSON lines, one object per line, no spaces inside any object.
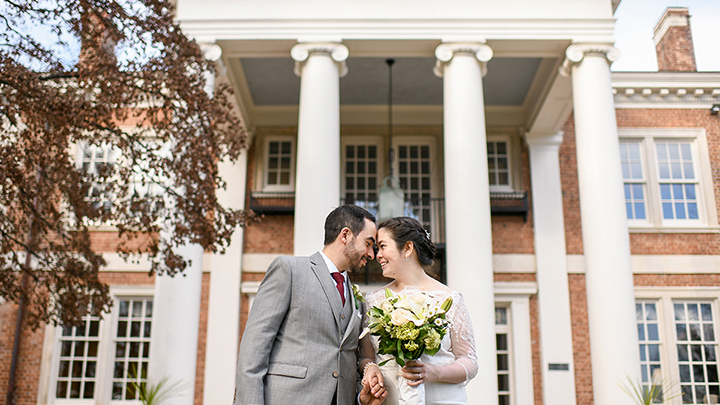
{"x":77,"y":150}
{"x":516,"y":297}
{"x":649,"y":206}
{"x":435,"y":167}
{"x":367,"y":140}
{"x":511,"y":166}
{"x":265,"y":156}
{"x":665,"y":297}
{"x":104,"y":371}
{"x":707,"y":212}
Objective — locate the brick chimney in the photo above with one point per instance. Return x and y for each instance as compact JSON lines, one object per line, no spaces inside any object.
{"x":673,"y":41}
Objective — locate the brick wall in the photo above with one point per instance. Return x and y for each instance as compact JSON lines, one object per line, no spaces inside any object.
{"x":570,"y":190}
{"x":645,"y":243}
{"x":510,"y":234}
{"x":678,"y":243}
{"x":581,"y":339}
{"x":29,"y":359}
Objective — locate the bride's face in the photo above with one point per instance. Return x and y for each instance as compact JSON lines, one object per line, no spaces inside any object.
{"x":388,"y":254}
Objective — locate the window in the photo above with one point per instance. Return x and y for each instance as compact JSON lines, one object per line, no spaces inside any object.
{"x":697,"y":352}
{"x":361,"y":171}
{"x":132,"y":347}
{"x":415,"y":161}
{"x":666,"y":176}
{"x":502,"y":339}
{"x":98,"y":361}
{"x":144,"y":183}
{"x":498,"y":152}
{"x":97,"y":160}
{"x":678,"y":345}
{"x":649,"y":338}
{"x":78,"y":358}
{"x":634,"y":180}
{"x":279,"y":164}
{"x":678,"y":183}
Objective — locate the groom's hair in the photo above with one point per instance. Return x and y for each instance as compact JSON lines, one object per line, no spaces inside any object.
{"x":345,"y":216}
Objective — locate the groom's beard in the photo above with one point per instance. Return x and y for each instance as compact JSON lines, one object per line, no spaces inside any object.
{"x":356,"y":259}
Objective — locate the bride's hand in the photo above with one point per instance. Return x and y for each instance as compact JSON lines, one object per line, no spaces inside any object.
{"x":418,"y":372}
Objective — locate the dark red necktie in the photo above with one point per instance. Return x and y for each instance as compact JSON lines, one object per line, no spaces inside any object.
{"x":340,"y":282}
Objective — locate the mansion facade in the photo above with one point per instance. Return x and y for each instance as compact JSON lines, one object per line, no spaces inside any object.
{"x":575,"y":208}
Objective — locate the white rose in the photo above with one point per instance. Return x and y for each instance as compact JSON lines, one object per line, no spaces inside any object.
{"x":418,"y":298}
{"x":400,"y":317}
{"x":386,"y":306}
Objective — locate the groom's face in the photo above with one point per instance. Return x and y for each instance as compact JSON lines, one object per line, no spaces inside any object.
{"x":359,"y":248}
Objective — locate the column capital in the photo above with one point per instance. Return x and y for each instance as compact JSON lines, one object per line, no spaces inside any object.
{"x":544,"y":138}
{"x":211,"y":52}
{"x":445,"y":52}
{"x":576,"y":52}
{"x":337,"y":51}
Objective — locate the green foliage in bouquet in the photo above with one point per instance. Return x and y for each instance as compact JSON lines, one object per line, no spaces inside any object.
{"x":409,"y":326}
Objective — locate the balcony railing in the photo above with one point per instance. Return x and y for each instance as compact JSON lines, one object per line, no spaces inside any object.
{"x":429,"y":211}
{"x":272,"y":203}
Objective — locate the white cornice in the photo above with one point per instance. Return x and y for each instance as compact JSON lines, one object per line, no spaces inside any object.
{"x":666,"y":89}
{"x":578,"y":30}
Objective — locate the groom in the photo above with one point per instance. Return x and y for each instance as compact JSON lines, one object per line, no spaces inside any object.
{"x":301,"y":337}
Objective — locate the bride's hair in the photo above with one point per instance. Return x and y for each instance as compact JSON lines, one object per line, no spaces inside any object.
{"x":406,"y":229}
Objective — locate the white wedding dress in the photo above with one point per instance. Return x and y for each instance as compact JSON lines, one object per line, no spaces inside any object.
{"x":458,"y":347}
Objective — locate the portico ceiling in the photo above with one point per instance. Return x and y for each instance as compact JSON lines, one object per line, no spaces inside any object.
{"x":271,"y":81}
{"x":522,"y":88}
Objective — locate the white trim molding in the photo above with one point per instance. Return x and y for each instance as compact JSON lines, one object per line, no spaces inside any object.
{"x":659,"y":264}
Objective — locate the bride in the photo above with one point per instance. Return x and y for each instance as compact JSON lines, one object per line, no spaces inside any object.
{"x":404,"y":253}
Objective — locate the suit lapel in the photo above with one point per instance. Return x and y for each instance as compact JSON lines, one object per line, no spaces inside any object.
{"x":318,"y":266}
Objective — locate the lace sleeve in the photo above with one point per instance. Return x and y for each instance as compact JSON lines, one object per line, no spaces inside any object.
{"x":462,"y":336}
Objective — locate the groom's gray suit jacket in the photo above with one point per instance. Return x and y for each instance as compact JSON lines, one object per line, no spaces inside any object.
{"x":297,"y":348}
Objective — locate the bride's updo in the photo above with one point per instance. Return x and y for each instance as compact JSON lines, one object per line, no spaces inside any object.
{"x":406,"y":229}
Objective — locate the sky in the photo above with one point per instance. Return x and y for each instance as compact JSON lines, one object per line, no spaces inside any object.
{"x":636,"y":20}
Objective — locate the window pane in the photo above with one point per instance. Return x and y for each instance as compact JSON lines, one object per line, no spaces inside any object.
{"x":710,"y":353}
{"x":706,"y":312}
{"x":689,"y":171}
{"x":683,"y":353}
{"x":665,"y":193}
{"x":667,"y":211}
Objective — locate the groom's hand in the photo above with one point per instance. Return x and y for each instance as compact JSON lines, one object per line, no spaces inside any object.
{"x":372,"y":392}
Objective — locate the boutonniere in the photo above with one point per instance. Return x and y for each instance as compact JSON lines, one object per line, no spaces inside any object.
{"x":358,"y":295}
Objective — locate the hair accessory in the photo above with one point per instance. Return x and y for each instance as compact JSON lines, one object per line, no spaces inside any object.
{"x":427,"y":233}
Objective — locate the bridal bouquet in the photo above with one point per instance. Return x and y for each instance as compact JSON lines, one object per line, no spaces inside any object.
{"x":408,"y":326}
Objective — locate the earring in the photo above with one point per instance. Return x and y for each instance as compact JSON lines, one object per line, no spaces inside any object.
{"x":407,"y":258}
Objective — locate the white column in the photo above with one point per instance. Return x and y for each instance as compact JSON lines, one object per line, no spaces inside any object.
{"x":176,"y":309}
{"x":606,"y":244}
{"x":223,"y":322}
{"x":467,"y":202}
{"x":556,"y":347}
{"x":317,"y":175}
{"x":176,"y":319}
